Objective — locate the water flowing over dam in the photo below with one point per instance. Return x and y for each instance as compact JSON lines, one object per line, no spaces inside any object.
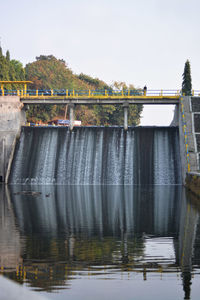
{"x":97,"y":155}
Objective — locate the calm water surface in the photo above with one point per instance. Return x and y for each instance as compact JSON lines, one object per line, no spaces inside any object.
{"x":101,"y":242}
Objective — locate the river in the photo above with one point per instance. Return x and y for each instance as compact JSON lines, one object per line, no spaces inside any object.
{"x":101,"y":241}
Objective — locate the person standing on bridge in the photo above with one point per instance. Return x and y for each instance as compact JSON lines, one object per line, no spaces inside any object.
{"x":145,"y":90}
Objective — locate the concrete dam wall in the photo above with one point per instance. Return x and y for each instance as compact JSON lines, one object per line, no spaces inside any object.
{"x":97,"y":155}
{"x":12,"y":117}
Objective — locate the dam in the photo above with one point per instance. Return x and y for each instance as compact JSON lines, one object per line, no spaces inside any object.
{"x":103,"y":146}
{"x":97,"y":155}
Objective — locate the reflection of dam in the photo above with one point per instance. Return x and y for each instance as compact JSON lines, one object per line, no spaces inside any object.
{"x":10,"y":244}
{"x":97,"y":210}
{"x":72,"y":229}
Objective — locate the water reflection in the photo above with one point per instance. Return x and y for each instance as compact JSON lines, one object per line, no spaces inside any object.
{"x":11,"y":245}
{"x":52,"y":234}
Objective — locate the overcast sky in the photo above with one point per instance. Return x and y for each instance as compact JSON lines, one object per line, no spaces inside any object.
{"x":136,"y":41}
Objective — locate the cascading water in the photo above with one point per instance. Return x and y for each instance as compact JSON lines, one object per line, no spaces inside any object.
{"x":97,"y":155}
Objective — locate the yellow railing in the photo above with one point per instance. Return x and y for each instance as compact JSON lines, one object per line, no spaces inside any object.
{"x":185,"y":135}
{"x":99,"y":94}
{"x":87,"y":94}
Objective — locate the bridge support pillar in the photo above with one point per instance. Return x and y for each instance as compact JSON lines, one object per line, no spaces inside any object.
{"x":71,"y":116}
{"x":125,"y":107}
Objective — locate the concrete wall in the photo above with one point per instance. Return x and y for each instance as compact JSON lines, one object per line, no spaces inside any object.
{"x":192,"y":182}
{"x":186,"y":117}
{"x":195,"y":107}
{"x":12,"y":117}
{"x":175,"y":121}
{"x":190,"y":109}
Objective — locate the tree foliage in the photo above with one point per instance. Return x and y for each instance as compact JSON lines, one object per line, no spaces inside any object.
{"x":10,"y":69}
{"x":48,"y":72}
{"x":94,"y":82}
{"x":4,"y":67}
{"x":187,"y":80}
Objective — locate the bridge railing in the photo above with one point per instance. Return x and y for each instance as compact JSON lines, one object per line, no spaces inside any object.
{"x":23,"y":93}
{"x":196,"y":93}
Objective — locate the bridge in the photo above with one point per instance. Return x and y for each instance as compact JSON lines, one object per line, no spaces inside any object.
{"x":90,"y":97}
{"x":96,"y":98}
{"x":93,"y":97}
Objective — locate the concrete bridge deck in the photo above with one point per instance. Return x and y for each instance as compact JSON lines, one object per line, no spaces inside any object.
{"x":95,"y":100}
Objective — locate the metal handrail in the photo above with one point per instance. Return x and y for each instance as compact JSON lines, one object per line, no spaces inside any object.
{"x":68,"y":93}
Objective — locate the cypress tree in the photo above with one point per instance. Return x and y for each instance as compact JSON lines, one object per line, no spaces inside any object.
{"x":8,"y":55}
{"x":4,"y":67}
{"x":187,"y":80}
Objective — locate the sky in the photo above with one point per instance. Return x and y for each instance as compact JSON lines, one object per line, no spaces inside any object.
{"x":140,"y":42}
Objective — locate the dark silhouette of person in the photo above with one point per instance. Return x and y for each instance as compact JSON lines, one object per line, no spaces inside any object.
{"x":145,"y":90}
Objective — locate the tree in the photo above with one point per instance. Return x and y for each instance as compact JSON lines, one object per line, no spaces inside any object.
{"x":94,"y":82}
{"x":4,"y":67}
{"x":8,"y":56}
{"x":10,"y":69}
{"x":187,"y":80}
{"x":18,"y":69}
{"x":48,"y":72}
